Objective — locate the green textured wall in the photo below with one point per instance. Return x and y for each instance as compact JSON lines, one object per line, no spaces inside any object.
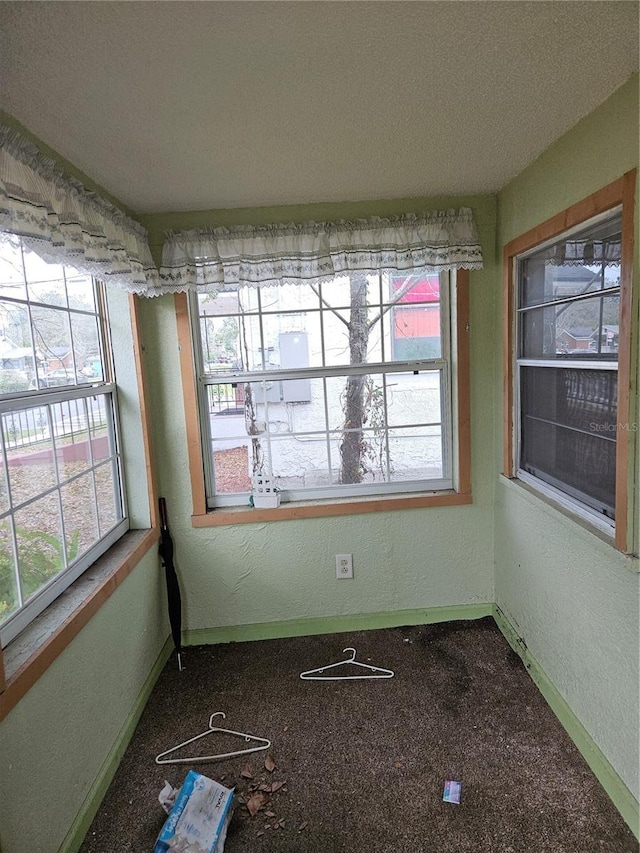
{"x":573,"y":599}
{"x":54,"y":743}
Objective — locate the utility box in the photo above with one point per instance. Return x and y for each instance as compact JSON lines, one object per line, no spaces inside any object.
{"x":294,"y":352}
{"x":269,"y":391}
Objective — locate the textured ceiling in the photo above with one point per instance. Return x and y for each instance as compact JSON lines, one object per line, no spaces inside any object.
{"x":197,"y":105}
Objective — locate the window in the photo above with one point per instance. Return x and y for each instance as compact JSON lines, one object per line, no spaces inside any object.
{"x":340,"y":388}
{"x":567,"y":338}
{"x":61,"y":497}
{"x":571,"y":355}
{"x":331,"y":358}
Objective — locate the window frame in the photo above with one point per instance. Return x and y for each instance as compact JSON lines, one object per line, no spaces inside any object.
{"x":460,"y":416}
{"x":47,"y":399}
{"x":112,"y":568}
{"x":59,"y":583}
{"x":384,"y":369}
{"x":619,"y":193}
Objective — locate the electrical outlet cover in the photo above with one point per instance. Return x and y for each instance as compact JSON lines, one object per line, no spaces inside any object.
{"x":344,"y":565}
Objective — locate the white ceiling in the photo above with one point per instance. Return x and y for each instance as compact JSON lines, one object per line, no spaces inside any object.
{"x":197,"y":105}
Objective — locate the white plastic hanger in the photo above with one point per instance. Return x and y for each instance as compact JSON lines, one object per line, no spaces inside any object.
{"x":375,"y":671}
{"x":162,"y":759}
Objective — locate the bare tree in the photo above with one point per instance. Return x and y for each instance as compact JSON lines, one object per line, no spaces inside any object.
{"x":352,"y":446}
{"x":357,"y":396}
{"x":250,"y":411}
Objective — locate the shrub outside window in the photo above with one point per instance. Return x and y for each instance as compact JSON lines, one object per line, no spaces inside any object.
{"x":336,"y":388}
{"x":61,"y":496}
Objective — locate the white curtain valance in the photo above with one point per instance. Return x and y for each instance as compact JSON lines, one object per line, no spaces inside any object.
{"x":63,"y":222}
{"x":586,"y":252}
{"x":258,"y":256}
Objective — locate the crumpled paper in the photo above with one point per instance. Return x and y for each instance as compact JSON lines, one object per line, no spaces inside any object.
{"x":167,"y":796}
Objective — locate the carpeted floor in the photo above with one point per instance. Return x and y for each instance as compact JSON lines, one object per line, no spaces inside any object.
{"x":364,"y":762}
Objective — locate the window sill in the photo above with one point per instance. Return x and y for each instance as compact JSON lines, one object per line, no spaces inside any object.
{"x":322,"y":509}
{"x":28,"y":656}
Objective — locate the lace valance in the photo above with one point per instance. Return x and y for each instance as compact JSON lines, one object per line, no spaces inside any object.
{"x":266,"y":255}
{"x":64,"y":223}
{"x":586,"y":252}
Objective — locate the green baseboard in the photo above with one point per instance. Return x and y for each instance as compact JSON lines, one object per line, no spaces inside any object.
{"x":618,"y":792}
{"x":334,"y":624}
{"x":96,"y":793}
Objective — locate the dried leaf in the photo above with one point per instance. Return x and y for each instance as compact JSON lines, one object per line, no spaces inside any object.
{"x":286,"y":728}
{"x":280,"y":824}
{"x":247,"y":772}
{"x":259,"y":833}
{"x":398,"y":765}
{"x":269,"y":814}
{"x":275,"y":786}
{"x":269,"y":764}
{"x":264,"y":787}
{"x":255,"y":803}
{"x":303,"y":825}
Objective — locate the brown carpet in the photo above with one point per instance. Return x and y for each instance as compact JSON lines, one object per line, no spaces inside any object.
{"x":365,"y":762}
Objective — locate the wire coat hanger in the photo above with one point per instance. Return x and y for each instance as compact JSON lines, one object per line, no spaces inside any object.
{"x":316,"y":674}
{"x":162,"y":759}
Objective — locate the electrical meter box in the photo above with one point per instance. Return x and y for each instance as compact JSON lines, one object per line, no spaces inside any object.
{"x":294,"y":352}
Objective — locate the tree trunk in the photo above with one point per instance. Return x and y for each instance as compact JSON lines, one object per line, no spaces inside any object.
{"x":251,"y":425}
{"x":250,"y":411}
{"x":355,"y":416}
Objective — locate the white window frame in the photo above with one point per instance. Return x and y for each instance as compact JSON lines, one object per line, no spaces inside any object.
{"x":21,"y":401}
{"x":444,"y":365}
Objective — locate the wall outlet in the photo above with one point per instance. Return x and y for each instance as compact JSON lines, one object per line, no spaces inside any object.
{"x":344,"y":565}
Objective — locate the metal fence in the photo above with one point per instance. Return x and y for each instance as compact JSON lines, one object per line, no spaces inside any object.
{"x":28,"y":428}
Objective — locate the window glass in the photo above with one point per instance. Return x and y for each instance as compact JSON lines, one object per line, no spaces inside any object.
{"x":582,"y":263}
{"x":354,"y":388}
{"x":587,"y":329}
{"x":61,"y":501}
{"x":569,"y":429}
{"x":568,"y":344}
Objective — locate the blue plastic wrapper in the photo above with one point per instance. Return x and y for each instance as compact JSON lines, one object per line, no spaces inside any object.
{"x":452,"y":792}
{"x":199,"y":819}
